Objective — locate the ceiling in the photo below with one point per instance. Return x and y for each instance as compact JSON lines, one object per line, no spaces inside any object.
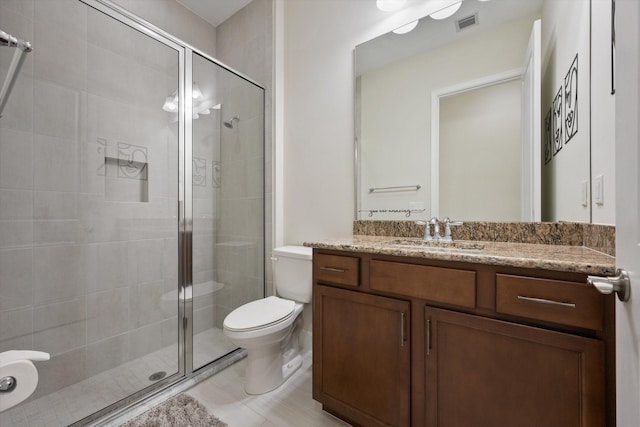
{"x":214,"y":11}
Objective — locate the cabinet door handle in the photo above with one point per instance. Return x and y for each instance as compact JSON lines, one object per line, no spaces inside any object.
{"x":547,"y":301}
{"x":334,"y":270}
{"x":427,"y":335}
{"x":402,"y":328}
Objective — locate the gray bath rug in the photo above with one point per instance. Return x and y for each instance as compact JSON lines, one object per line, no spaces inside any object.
{"x":179,"y":411}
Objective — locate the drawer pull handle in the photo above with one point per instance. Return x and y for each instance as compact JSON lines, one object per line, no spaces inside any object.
{"x":547,"y":301}
{"x":333,"y":270}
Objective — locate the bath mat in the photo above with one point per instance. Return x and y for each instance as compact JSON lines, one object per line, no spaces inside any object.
{"x":179,"y":411}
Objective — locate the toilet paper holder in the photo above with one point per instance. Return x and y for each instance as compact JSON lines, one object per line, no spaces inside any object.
{"x":8,"y":383}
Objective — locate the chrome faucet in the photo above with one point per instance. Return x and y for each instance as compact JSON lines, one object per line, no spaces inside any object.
{"x":436,"y":229}
{"x":435,"y":236}
{"x":427,"y":231}
{"x":447,"y":228}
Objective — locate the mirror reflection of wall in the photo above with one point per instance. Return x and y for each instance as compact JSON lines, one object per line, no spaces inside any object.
{"x":393,"y":98}
{"x":566,"y":170}
{"x":480,"y":154}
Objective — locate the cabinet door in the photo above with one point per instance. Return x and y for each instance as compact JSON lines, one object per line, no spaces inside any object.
{"x":486,"y":373}
{"x":361,"y":356}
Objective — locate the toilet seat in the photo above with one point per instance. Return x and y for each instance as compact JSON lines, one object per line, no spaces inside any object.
{"x":259,"y":314}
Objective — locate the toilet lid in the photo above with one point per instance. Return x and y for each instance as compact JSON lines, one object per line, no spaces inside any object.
{"x":259,"y":313}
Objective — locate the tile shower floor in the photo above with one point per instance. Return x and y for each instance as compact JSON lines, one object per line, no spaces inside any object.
{"x":79,"y":400}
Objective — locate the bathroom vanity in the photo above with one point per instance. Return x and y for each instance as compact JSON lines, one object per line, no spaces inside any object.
{"x":500,"y":334}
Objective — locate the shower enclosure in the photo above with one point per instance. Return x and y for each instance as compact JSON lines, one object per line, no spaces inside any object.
{"x":131,"y":207}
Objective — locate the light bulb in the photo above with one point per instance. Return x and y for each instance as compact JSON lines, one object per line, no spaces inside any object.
{"x":170,"y":104}
{"x":447,"y":11}
{"x":196,"y":93}
{"x":390,"y":5}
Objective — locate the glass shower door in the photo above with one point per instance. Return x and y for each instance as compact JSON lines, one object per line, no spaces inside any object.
{"x":228,"y":202}
{"x":89,"y":219}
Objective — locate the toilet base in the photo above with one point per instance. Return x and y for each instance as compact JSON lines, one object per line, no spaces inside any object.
{"x":267,"y":369}
{"x":270,"y":366}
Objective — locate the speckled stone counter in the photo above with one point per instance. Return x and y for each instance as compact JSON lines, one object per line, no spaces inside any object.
{"x":598,"y":237}
{"x":578,"y":259}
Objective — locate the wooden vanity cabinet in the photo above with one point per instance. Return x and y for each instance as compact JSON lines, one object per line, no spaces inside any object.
{"x":361,"y":356}
{"x":483,"y":372}
{"x":418,"y":342}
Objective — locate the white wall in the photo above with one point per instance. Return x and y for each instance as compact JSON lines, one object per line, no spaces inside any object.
{"x":602,"y":111}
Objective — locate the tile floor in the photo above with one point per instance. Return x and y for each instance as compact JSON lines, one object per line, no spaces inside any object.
{"x":289,"y":405}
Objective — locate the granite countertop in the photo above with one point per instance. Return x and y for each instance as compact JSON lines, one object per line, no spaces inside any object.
{"x":578,"y":259}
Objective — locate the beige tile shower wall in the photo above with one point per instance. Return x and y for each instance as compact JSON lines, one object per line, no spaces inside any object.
{"x":244,"y":42}
{"x":83,"y":277}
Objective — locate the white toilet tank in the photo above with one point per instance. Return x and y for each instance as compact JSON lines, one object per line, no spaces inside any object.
{"x":293,"y":272}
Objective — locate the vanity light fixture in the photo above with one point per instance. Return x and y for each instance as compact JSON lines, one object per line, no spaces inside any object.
{"x":406,"y":28}
{"x":390,"y":5}
{"x":171,"y":103}
{"x":195,"y":91}
{"x":447,"y":11}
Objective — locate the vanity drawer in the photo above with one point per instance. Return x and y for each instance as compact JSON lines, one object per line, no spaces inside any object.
{"x":556,"y":301}
{"x":342,"y":270}
{"x":445,"y":285}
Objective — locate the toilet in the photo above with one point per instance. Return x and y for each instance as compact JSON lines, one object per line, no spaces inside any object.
{"x":269,"y":328}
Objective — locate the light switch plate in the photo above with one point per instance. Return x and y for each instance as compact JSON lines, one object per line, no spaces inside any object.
{"x":584,"y":193}
{"x":598,"y":190}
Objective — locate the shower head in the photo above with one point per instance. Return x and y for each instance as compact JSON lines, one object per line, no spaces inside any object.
{"x":229,"y":123}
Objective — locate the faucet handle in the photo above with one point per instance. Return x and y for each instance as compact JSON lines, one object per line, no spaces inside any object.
{"x":427,"y":230}
{"x":447,"y":228}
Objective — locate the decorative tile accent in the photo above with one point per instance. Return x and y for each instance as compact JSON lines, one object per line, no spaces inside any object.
{"x":215,"y":174}
{"x":132,"y":161}
{"x":199,"y":166}
{"x":102,"y":154}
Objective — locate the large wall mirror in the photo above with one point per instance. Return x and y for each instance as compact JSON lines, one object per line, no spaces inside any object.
{"x":481,"y":116}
